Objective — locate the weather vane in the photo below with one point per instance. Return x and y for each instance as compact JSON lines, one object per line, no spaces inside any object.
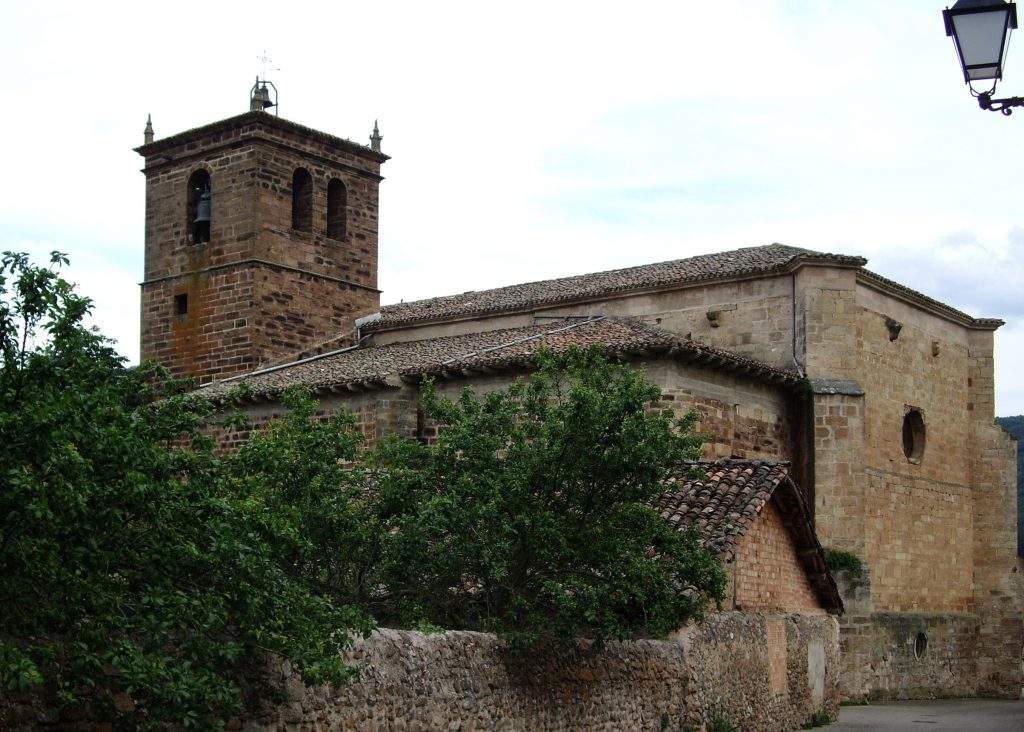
{"x":265,"y":61}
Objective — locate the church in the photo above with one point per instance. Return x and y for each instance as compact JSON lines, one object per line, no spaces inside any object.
{"x":261,"y":254}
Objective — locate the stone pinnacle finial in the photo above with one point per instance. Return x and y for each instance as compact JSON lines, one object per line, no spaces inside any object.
{"x":147,"y":134}
{"x":375,"y":138}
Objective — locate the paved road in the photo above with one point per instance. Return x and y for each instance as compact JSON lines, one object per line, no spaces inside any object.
{"x":945,"y":715}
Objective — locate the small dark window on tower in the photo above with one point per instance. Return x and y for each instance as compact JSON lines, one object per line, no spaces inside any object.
{"x":199,"y":210}
{"x":302,"y":200}
{"x":913,"y":435}
{"x":181,"y":305}
{"x":336,"y":209}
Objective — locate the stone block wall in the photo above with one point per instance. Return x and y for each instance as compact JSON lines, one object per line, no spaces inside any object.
{"x":935,"y":531}
{"x":377,"y":413}
{"x":998,"y":570}
{"x":738,"y":418}
{"x":466,"y":681}
{"x":882,"y":656}
{"x":919,"y":540}
{"x":839,"y":490}
{"x":751,"y":317}
{"x":294,"y":309}
{"x":208,"y":341}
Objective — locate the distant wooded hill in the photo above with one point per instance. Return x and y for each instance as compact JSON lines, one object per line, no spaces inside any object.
{"x":1015,"y":426}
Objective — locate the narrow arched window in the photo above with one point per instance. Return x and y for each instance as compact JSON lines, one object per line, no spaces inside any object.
{"x":336,"y":209}
{"x":302,"y":200}
{"x":199,"y":211}
{"x":913,"y":435}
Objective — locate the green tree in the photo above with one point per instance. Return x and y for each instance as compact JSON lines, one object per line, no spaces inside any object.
{"x":530,"y":516}
{"x":140,"y":574}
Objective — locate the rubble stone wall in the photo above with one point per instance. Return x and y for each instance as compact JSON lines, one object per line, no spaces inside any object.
{"x":466,"y":681}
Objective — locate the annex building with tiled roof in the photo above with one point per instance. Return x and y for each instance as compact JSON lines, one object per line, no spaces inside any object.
{"x":842,"y":410}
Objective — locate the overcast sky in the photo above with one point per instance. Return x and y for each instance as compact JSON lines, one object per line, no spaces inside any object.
{"x":535,"y":140}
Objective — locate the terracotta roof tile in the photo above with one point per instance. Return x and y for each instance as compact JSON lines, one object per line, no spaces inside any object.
{"x":720,"y":265}
{"x":723,"y":503}
{"x":512,"y":348}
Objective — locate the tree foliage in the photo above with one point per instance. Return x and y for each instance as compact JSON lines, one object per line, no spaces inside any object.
{"x":530,"y":516}
{"x":139,"y":573}
{"x":147,"y":578}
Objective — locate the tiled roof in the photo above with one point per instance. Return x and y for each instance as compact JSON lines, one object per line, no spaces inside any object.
{"x":723,"y":505}
{"x":380,"y":366}
{"x":720,"y":265}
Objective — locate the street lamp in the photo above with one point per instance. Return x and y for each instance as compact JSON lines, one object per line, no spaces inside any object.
{"x":981,"y":33}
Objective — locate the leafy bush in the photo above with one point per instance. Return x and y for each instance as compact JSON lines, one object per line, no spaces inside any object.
{"x":840,"y":559}
{"x":529,"y":517}
{"x":139,"y":574}
{"x":820,"y":718}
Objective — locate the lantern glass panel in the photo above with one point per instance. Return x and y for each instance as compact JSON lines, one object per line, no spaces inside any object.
{"x":981,"y":37}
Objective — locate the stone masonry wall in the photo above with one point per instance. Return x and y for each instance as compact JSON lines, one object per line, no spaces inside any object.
{"x":839,"y":489}
{"x":998,"y":570}
{"x":882,"y":657}
{"x":257,"y":289}
{"x":295,"y":310}
{"x":751,"y":317}
{"x":737,"y":417}
{"x":935,"y":532}
{"x":466,"y":681}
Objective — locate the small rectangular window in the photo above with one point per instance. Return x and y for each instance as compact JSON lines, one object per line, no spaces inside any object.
{"x":181,"y":304}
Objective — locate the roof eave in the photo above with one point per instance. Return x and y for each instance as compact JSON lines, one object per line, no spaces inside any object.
{"x":912,"y":297}
{"x":267,"y":120}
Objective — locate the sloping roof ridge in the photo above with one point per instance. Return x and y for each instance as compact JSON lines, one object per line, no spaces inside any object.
{"x":791,"y":254}
{"x":291,"y":361}
{"x":873,"y":278}
{"x":740,"y":461}
{"x":525,"y":339}
{"x":500,"y":349}
{"x":797,"y":251}
{"x":287,"y":364}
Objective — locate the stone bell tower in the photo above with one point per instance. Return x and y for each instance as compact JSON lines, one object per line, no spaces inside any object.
{"x":261,"y":240}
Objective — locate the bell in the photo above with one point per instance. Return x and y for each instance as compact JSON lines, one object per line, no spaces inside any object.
{"x":260,"y":99}
{"x":203,"y":208}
